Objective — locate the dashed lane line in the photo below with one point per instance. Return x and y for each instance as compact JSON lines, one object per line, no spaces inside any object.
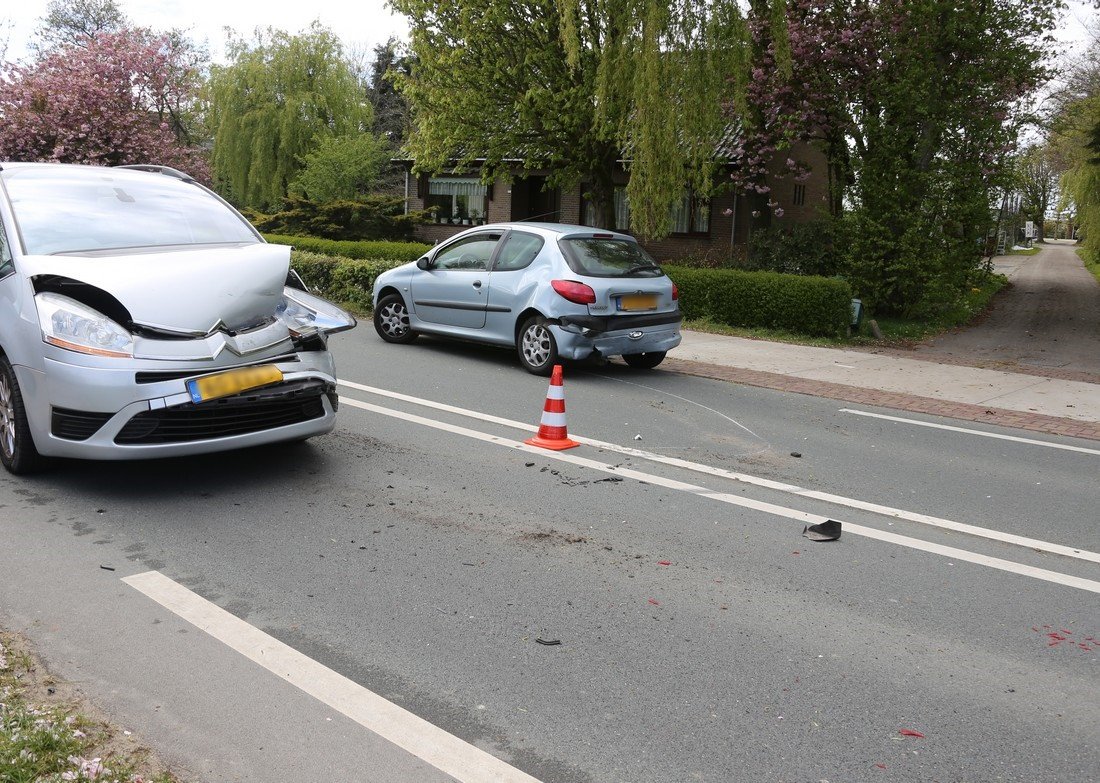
{"x":444,"y":751}
{"x":778,"y":486}
{"x":954,"y":553}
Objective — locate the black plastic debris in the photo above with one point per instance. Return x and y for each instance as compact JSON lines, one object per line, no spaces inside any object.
{"x":547,"y":642}
{"x":796,"y":454}
{"x":829,"y":530}
{"x":609,"y":479}
{"x":107,"y":568}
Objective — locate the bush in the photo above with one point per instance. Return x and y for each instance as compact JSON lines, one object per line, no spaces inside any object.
{"x":362,"y":251}
{"x":371,"y":217}
{"x":345,"y":280}
{"x":810,"y":305}
{"x":798,"y":249}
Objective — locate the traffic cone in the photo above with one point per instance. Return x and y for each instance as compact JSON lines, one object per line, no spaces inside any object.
{"x":552,"y":430}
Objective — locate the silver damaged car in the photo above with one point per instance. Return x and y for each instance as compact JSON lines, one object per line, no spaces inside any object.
{"x":550,"y":290}
{"x":142,"y":316}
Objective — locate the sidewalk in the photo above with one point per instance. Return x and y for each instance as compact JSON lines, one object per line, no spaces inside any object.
{"x":1025,"y":401}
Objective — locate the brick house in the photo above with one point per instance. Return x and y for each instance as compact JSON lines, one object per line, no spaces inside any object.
{"x":718,"y":227}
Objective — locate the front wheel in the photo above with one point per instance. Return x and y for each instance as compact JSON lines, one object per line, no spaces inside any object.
{"x":391,"y":320}
{"x":644,"y":361}
{"x":17,"y":450}
{"x":537,"y":349}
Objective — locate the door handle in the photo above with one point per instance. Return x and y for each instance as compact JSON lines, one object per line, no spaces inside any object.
{"x":477,"y":284}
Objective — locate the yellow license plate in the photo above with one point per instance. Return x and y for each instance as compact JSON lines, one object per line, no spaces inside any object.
{"x":223,"y":384}
{"x":638,"y":302}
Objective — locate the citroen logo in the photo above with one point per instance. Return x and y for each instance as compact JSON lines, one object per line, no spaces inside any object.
{"x":635,"y":335}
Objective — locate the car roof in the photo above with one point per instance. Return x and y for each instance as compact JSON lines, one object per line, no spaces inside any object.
{"x":559,"y":229}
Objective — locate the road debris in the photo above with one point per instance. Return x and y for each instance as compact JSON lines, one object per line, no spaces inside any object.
{"x":829,"y":530}
{"x":796,"y":454}
{"x":910,"y":733}
{"x":107,"y":568}
{"x":547,"y":642}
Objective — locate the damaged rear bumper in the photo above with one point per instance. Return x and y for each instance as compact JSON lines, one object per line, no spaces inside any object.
{"x":582,"y":336}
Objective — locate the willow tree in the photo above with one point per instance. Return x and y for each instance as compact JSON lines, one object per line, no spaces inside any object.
{"x":280,"y":96}
{"x":575,"y":87}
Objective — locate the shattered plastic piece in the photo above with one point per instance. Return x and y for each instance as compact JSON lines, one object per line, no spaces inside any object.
{"x":609,"y":478}
{"x":829,"y":530}
{"x":664,"y":562}
{"x":655,"y":603}
{"x":638,"y":437}
{"x":910,"y":733}
{"x":880,"y":766}
{"x":107,"y":568}
{"x":796,"y":454}
{"x":528,"y":464}
{"x":548,"y":642}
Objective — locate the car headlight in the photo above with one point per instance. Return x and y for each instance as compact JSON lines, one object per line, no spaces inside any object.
{"x":69,"y":324}
{"x":305,"y":314}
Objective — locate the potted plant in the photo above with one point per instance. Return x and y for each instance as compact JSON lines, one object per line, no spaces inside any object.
{"x":475,"y":217}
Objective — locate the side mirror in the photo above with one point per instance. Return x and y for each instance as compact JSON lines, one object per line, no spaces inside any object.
{"x":424,"y":263}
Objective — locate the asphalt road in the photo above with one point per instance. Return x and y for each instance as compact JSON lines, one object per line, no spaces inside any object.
{"x":421,"y":553}
{"x":1047,"y":318}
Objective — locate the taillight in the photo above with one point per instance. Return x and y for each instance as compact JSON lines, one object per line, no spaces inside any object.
{"x":675,"y":292}
{"x":574,"y":291}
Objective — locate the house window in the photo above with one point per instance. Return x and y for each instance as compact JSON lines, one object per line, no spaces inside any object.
{"x":456,"y":198}
{"x":799,"y":195}
{"x":622,"y":211}
{"x":690,"y":215}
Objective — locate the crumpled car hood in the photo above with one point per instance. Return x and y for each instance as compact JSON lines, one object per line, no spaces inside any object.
{"x":185,"y":291}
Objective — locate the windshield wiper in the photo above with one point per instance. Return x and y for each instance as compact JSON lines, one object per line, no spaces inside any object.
{"x":641,"y":268}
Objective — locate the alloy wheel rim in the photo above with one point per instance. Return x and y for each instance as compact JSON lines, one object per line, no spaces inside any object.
{"x":536,"y":345}
{"x":7,"y":418}
{"x":395,"y":321}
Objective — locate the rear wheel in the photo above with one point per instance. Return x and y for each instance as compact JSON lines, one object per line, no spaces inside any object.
{"x":537,"y":349}
{"x":644,"y":361}
{"x":17,"y":450}
{"x":391,"y":320}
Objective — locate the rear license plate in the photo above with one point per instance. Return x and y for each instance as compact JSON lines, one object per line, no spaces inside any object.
{"x":223,"y":384}
{"x":638,"y":302}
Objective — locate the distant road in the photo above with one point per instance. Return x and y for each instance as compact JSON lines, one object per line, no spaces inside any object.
{"x":1048,"y":318}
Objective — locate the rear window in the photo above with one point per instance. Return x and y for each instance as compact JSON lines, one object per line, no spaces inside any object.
{"x":608,"y":257}
{"x":60,"y":210}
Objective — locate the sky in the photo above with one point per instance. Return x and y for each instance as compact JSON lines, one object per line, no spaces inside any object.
{"x":361,"y":25}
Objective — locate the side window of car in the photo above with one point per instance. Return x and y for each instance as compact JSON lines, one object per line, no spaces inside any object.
{"x":7,"y":266}
{"x":518,"y":251}
{"x":470,"y":254}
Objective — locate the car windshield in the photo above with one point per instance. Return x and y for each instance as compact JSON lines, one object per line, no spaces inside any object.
{"x":608,"y":257}
{"x":63,"y":210}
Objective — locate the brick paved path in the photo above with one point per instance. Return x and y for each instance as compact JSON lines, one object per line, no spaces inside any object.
{"x":906,"y":402}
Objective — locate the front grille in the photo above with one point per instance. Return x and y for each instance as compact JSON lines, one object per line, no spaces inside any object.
{"x":172,"y":375}
{"x":76,"y":425}
{"x":252,"y":411}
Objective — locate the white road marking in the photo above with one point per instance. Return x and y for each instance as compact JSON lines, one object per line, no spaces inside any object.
{"x":756,"y":505}
{"x":444,"y":751}
{"x":998,"y":436}
{"x":793,"y":489}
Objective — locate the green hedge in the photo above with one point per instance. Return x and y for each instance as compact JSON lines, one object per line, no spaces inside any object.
{"x":817,"y":306}
{"x":345,"y":280}
{"x":364,"y":250}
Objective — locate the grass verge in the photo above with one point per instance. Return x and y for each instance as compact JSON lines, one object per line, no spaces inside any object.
{"x":47,"y":736}
{"x":1093,"y":267}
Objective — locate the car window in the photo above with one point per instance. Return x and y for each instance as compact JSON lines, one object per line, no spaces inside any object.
{"x":468,"y":254}
{"x":6,"y":263}
{"x":517,"y":252}
{"x":85,"y":210}
{"x":608,"y":257}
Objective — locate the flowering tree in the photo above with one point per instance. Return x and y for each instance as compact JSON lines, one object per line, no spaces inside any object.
{"x":115,"y":99}
{"x":917,"y":104}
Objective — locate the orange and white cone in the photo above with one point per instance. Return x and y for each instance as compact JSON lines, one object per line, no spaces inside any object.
{"x":553,"y":433}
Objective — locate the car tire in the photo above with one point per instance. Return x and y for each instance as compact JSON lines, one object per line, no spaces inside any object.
{"x":644,"y":361}
{"x":391,"y":320}
{"x":536,"y":346}
{"x":17,"y":450}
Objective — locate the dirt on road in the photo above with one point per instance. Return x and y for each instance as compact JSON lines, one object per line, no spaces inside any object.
{"x":1046,"y":322}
